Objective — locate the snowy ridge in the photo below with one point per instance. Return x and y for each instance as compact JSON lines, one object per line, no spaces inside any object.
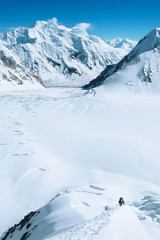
{"x":58,"y":53}
{"x":139,"y":67}
{"x":80,"y":213}
{"x":147,"y":43}
{"x":108,"y":226}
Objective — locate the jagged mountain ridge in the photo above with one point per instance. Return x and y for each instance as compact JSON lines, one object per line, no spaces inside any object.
{"x":55,"y":52}
{"x":141,"y":65}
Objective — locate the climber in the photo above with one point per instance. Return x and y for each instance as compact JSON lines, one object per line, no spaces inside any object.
{"x":121,"y":201}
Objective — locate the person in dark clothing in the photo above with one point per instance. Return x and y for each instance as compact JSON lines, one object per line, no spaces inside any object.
{"x":121,"y":201}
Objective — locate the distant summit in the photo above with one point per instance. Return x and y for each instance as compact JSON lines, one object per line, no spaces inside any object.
{"x":59,"y":55}
{"x":122,"y":43}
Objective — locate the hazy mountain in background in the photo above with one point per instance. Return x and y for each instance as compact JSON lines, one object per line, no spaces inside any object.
{"x":122,"y":43}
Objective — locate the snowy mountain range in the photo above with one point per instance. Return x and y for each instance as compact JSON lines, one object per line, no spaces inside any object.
{"x":57,"y":54}
{"x":139,"y":68}
{"x":67,"y":155}
{"x":121,"y":43}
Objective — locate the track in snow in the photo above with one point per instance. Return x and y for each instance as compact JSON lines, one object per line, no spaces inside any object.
{"x":118,"y":224}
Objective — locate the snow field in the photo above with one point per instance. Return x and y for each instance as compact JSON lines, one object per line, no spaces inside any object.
{"x":60,"y":139}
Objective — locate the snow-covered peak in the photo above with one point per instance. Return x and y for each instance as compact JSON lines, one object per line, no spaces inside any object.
{"x":53,"y":21}
{"x":49,"y":24}
{"x":122,"y":43}
{"x":53,"y":24}
{"x":147,"y":43}
{"x":37,"y":24}
{"x":59,"y":54}
{"x":141,"y":65}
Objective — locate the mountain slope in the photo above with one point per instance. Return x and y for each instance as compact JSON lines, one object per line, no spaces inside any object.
{"x":14,"y":74}
{"x":57,"y":53}
{"x":140,"y":66}
{"x":99,"y":131}
{"x":80,"y":213}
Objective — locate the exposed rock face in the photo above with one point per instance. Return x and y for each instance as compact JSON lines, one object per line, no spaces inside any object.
{"x":140,"y":65}
{"x":24,"y":223}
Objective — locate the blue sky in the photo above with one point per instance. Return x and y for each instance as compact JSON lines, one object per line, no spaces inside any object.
{"x":108,"y":19}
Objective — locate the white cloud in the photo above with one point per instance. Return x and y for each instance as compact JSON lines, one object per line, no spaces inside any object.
{"x":83,"y":26}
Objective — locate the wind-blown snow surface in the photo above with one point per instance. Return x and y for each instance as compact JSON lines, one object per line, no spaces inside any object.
{"x":80,"y":213}
{"x":73,"y":141}
{"x":59,"y":54}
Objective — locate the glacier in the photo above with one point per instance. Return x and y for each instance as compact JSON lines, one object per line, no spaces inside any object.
{"x":70,"y":154}
{"x":67,"y":154}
